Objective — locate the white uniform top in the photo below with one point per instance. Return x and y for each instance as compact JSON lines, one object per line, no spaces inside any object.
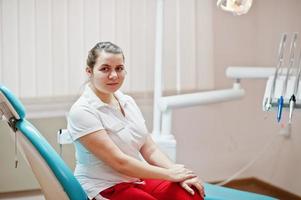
{"x":89,"y":114}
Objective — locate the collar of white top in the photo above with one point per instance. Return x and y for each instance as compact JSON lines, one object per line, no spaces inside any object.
{"x":96,"y":102}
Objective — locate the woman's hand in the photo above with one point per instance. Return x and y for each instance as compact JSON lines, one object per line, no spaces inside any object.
{"x":193,"y":182}
{"x":178,"y":173}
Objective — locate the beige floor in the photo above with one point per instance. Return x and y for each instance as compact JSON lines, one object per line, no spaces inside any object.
{"x":30,"y":195}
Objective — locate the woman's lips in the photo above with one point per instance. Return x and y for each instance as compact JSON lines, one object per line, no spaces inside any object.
{"x":112,"y":83}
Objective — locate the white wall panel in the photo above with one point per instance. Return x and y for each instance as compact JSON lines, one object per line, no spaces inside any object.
{"x":44,"y":43}
{"x":107,"y":13}
{"x":138,"y":45}
{"x":60,"y":46}
{"x":75,"y":67}
{"x":91,"y":25}
{"x":27,"y":65}
{"x":10,"y":76}
{"x":123,"y":36}
{"x":169,"y":45}
{"x":150,"y":44}
{"x":187,"y":44}
{"x":204,"y":45}
{"x":44,"y":62}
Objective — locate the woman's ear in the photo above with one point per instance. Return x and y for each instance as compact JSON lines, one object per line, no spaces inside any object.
{"x":89,"y":71}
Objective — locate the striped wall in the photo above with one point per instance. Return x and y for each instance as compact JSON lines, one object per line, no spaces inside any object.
{"x":44,"y":43}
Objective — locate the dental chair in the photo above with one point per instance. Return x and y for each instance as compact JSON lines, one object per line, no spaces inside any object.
{"x":54,"y":176}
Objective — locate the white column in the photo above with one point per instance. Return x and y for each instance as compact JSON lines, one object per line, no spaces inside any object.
{"x":158,"y":68}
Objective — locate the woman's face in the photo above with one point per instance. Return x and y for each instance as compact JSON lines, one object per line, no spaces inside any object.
{"x":108,"y":72}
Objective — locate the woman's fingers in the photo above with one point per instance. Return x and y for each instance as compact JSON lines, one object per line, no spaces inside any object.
{"x":196,"y":183}
{"x":187,"y":188}
{"x":200,"y":188}
{"x":188,"y":178}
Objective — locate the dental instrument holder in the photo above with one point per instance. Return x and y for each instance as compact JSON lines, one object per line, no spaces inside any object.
{"x":292,"y":102}
{"x":267,"y":102}
{"x":288,"y":73}
{"x":278,"y":90}
{"x":282,"y":88}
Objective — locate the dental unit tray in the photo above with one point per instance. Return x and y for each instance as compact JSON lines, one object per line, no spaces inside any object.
{"x":282,"y":89}
{"x":277,"y":93}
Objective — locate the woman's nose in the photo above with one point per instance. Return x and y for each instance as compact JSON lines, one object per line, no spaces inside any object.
{"x":113,"y":75}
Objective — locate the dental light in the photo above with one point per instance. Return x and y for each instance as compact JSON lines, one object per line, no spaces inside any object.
{"x":237,"y":7}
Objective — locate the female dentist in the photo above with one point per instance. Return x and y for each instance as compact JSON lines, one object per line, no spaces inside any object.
{"x":109,"y":134}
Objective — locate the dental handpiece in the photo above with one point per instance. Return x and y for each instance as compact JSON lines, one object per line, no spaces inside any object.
{"x":291,"y":62}
{"x":296,"y":87}
{"x":279,"y":63}
{"x":296,"y":84}
{"x":288,"y":72}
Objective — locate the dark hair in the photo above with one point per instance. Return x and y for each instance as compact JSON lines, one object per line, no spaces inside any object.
{"x":107,"y":47}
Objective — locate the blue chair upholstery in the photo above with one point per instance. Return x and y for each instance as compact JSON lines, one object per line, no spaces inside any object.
{"x":214,"y":192}
{"x":66,"y":178}
{"x":14,"y":101}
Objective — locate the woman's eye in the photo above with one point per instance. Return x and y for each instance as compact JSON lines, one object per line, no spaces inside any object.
{"x":104,"y":69}
{"x":119,"y":69}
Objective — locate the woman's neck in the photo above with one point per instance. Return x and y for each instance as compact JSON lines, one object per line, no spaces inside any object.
{"x":104,"y":97}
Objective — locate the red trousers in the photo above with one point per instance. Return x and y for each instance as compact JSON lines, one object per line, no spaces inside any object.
{"x":152,"y":190}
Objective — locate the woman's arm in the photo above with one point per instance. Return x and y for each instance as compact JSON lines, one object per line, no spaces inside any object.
{"x":154,"y":156}
{"x":101,"y":145}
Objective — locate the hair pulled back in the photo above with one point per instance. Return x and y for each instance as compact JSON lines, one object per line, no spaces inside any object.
{"x":107,"y":47}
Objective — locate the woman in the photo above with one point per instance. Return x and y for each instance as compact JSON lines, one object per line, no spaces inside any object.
{"x":109,"y":134}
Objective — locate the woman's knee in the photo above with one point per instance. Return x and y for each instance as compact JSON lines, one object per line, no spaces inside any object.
{"x":172,"y":190}
{"x":181,"y":194}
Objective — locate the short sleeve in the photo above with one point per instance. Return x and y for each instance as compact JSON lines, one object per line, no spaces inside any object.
{"x":82,"y":121}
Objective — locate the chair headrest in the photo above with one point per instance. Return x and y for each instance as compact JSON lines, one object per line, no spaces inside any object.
{"x":12,"y":102}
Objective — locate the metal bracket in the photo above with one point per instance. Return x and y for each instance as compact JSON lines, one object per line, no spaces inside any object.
{"x":12,"y":123}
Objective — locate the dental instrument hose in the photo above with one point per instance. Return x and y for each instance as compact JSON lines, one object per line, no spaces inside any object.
{"x":289,"y":69}
{"x":292,"y":101}
{"x":281,"y":48}
{"x":248,"y":165}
